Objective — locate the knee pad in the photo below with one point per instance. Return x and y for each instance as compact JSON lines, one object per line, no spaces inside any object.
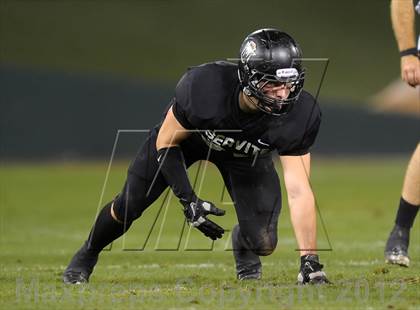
{"x":263,"y":243}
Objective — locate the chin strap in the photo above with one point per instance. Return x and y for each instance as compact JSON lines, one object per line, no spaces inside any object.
{"x":246,"y":91}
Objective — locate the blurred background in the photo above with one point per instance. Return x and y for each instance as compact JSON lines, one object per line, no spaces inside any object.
{"x":74,"y":72}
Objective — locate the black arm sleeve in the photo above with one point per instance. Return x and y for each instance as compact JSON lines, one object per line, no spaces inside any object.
{"x":172,"y":166}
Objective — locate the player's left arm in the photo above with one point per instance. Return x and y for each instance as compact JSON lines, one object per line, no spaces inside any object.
{"x":296,"y":170}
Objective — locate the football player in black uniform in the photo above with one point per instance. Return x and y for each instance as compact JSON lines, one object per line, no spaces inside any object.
{"x":235,"y":116}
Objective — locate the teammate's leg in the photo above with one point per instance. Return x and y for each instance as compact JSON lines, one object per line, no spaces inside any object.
{"x":396,"y":250}
{"x":256,"y":193}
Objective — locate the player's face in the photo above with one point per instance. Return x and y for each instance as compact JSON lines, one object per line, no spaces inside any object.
{"x":277,"y":90}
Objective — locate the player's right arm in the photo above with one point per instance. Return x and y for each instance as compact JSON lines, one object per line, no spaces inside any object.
{"x":171,"y":133}
{"x":172,"y":166}
{"x":402,"y":17}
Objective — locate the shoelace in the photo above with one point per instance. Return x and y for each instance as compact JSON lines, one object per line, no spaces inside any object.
{"x":396,"y":251}
{"x":73,"y":275}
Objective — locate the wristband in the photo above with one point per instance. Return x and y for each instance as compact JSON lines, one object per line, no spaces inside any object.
{"x":409,"y":51}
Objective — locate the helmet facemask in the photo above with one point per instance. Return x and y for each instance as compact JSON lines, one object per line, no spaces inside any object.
{"x":254,"y":85}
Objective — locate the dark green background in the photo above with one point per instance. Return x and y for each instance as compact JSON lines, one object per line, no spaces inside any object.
{"x":157,"y":40}
{"x":74,"y":72}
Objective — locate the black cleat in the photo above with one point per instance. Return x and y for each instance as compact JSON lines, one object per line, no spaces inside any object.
{"x":249,"y":274}
{"x":318,"y":277}
{"x":80,"y":267}
{"x":311,"y":271}
{"x":74,"y":276}
{"x":396,"y":249}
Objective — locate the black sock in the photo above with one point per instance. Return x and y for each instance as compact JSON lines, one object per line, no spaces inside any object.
{"x":245,"y":259}
{"x":105,"y":230}
{"x":406,"y":214}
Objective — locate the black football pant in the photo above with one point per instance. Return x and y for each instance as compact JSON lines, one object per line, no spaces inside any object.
{"x":253,"y":186}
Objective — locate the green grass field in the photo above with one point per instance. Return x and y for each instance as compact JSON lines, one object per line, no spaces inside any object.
{"x":47,"y":210}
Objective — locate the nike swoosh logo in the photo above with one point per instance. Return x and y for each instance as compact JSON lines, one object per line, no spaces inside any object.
{"x":263,"y":143}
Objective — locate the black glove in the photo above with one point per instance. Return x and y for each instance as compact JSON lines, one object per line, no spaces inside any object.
{"x":311,"y":271}
{"x":172,"y":166}
{"x":196,"y":211}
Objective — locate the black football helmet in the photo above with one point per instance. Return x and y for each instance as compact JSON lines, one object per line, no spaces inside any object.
{"x":271,"y":56}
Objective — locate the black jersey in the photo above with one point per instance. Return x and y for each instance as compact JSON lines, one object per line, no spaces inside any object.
{"x":207,"y":101}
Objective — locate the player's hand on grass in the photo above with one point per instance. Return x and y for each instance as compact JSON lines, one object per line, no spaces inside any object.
{"x":311,"y":271}
{"x":196,"y":211}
